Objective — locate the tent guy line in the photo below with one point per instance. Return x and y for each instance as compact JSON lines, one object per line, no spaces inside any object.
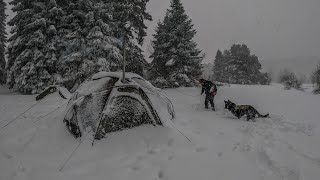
{"x":74,"y":151}
{"x":13,"y":120}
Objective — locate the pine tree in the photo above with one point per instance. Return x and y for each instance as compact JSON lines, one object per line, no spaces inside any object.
{"x":88,"y":42}
{"x":135,"y":61}
{"x":130,"y":17}
{"x":3,"y":40}
{"x":218,"y":70}
{"x":51,"y":51}
{"x":32,"y":54}
{"x":26,"y":43}
{"x":238,"y":66}
{"x":176,"y":57}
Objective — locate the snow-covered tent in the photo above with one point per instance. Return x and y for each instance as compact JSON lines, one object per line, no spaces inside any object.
{"x":105,"y":104}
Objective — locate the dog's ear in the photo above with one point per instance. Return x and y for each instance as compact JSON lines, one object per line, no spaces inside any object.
{"x":225,"y":101}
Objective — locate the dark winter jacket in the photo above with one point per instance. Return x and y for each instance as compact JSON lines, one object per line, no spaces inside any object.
{"x":209,"y":87}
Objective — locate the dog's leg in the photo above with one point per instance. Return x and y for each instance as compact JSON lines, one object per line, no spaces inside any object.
{"x":253,"y":118}
{"x":248,"y":116}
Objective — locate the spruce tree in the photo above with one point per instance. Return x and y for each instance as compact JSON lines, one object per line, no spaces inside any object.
{"x":3,"y":40}
{"x":218,"y":69}
{"x":32,"y":52}
{"x":239,"y":66}
{"x":52,"y":48}
{"x":88,"y":42}
{"x":130,"y":17}
{"x":135,"y":61}
{"x":176,"y":57}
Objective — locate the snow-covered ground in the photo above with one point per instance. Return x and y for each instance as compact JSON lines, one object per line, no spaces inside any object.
{"x":285,"y":146}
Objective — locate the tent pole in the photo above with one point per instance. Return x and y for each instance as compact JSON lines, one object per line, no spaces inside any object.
{"x":95,"y":134}
{"x":124,"y":58}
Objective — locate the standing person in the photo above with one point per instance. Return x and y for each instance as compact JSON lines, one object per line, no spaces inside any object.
{"x":210,"y":89}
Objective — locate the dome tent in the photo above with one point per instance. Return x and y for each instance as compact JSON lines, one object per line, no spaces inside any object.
{"x":105,"y":104}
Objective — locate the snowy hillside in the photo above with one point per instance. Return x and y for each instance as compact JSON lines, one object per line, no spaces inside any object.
{"x":286,"y":146}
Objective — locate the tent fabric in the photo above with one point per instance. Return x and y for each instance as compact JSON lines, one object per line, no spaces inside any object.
{"x":103,"y":104}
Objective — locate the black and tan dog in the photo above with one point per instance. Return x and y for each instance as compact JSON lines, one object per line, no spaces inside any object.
{"x":241,"y":110}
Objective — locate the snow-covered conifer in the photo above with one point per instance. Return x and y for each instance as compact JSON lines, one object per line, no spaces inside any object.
{"x":176,"y":57}
{"x":239,"y":66}
{"x":31,"y":52}
{"x":2,"y":41}
{"x":218,"y":67}
{"x":130,"y":17}
{"x":88,"y":43}
{"x":136,"y":62}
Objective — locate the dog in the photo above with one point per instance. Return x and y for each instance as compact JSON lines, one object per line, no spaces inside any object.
{"x":241,"y":110}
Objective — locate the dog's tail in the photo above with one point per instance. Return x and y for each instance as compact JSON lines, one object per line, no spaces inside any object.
{"x":264,"y":116}
{"x":260,"y":115}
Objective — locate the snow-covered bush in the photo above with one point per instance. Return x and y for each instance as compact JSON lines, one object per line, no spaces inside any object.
{"x":290,"y":80}
{"x":316,"y":80}
{"x":177,"y":80}
{"x":174,"y":81}
{"x":160,"y":82}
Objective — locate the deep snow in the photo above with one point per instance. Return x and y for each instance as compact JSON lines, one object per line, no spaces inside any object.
{"x":284,"y":146}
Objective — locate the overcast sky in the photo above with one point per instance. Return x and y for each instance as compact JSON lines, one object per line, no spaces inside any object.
{"x":271,"y":28}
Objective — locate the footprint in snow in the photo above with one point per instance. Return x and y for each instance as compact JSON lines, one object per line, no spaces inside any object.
{"x":170,"y":157}
{"x":170,"y":142}
{"x":183,"y":124}
{"x":161,"y":175}
{"x":235,"y":146}
{"x":135,"y":167}
{"x":23,"y":169}
{"x":137,"y":164}
{"x":271,"y":166}
{"x":7,"y":155}
{"x":153,"y":151}
{"x":220,"y":133}
{"x":201,"y":149}
{"x":19,"y":173}
{"x":196,"y":131}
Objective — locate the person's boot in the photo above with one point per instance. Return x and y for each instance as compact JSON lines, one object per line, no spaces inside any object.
{"x":213,"y":109}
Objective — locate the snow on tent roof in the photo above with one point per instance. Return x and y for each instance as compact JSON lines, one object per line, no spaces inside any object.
{"x":92,"y":86}
{"x":103,"y":74}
